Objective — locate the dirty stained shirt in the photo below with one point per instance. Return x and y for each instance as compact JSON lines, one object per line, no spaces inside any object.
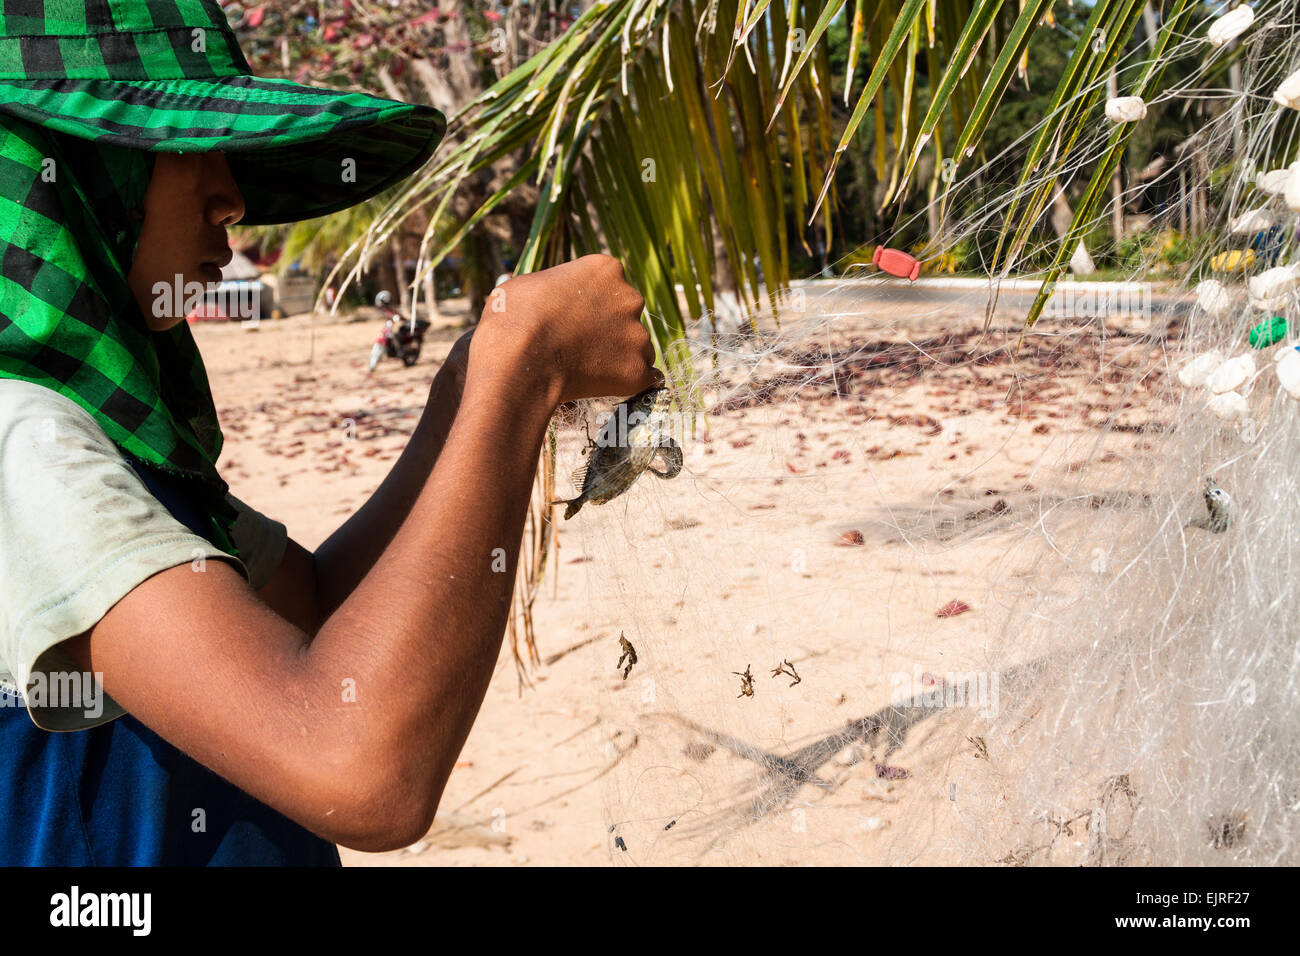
{"x":85,"y":783}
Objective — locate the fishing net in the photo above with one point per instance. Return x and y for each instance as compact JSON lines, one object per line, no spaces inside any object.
{"x":936,"y":588}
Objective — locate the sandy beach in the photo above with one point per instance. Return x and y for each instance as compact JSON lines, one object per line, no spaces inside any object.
{"x":858,"y":504}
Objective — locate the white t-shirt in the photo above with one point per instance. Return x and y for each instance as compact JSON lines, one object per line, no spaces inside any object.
{"x":78,"y":531}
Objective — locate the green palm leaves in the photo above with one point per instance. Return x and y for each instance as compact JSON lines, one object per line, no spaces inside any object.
{"x":698,"y":140}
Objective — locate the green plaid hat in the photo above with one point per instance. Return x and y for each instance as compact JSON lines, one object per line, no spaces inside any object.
{"x":89,"y":92}
{"x":168,"y":76}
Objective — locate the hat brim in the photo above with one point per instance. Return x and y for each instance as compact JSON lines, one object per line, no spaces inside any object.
{"x":296,"y":151}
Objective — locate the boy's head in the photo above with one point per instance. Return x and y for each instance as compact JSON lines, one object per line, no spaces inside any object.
{"x":163,"y":79}
{"x":168,"y":77}
{"x":191,"y":200}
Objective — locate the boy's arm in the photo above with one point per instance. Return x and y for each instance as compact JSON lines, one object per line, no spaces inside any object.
{"x":307,"y":588}
{"x":354,"y":734}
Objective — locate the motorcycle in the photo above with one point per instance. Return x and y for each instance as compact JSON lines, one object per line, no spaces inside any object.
{"x":400,"y":338}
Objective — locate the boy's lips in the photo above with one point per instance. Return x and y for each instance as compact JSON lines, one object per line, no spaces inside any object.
{"x":211,"y":267}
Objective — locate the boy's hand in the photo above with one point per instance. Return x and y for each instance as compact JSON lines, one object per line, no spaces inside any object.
{"x":573,"y":330}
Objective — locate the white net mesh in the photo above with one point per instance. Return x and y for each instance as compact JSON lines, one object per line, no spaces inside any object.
{"x":969,"y":575}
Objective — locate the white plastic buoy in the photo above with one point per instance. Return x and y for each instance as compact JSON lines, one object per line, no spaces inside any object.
{"x":1229,"y":406}
{"x":1125,"y":109}
{"x":1288,"y":373}
{"x":1268,"y":289}
{"x":1273,"y":182}
{"x":1292,"y":189}
{"x":1214,"y":298}
{"x":1231,"y":374}
{"x":1196,"y":371}
{"x":1081,"y":263}
{"x":1231,"y":25}
{"x":1257,"y":220}
{"x":1288,"y":94}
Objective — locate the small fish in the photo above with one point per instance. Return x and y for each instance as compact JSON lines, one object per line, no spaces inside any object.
{"x":1220,"y":509}
{"x":629,"y":443}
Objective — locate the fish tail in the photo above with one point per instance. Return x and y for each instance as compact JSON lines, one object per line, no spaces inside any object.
{"x":571,"y":506}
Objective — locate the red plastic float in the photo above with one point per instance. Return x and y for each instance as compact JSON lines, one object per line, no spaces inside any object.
{"x":896,"y":263}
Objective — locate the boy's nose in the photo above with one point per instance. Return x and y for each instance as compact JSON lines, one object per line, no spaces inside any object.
{"x":225,"y":205}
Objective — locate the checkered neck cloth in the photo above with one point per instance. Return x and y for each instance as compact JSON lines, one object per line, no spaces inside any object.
{"x":89,"y":90}
{"x":69,"y":222}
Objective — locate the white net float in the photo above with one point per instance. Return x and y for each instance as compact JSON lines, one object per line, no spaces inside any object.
{"x":1229,"y":406}
{"x":1125,"y":109}
{"x":1231,"y":374}
{"x":1291,"y":191}
{"x":1288,"y":94}
{"x":1231,"y":25}
{"x":1256,"y":220}
{"x":1273,"y":182}
{"x":1214,"y":298}
{"x":1271,"y":288}
{"x":1195,"y":372}
{"x":1288,"y":372}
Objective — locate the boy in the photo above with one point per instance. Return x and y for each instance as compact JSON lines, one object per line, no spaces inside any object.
{"x":263,"y":702}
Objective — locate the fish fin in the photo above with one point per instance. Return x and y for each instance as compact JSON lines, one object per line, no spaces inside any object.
{"x":580,"y":475}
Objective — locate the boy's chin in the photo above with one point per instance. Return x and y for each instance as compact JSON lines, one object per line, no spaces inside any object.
{"x":166,"y":302}
{"x":162,"y":323}
{"x":207,"y":273}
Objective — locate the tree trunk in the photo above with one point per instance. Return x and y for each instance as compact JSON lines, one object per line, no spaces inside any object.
{"x":1081,"y":263}
{"x":399,"y":273}
{"x":1116,"y":181}
{"x":1152,"y":28}
{"x":727,"y":313}
{"x":925,"y":173}
{"x":431,"y":298}
{"x":1235,"y":84}
{"x":1182,"y":201}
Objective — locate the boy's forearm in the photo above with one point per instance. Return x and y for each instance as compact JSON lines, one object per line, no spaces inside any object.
{"x":347,"y":555}
{"x":424,"y":664}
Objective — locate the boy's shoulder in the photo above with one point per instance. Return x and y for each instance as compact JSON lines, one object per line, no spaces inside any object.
{"x":79,"y":528}
{"x":38,"y":423}
{"x":32,"y":405}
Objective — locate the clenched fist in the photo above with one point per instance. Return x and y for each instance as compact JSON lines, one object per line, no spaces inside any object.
{"x":573,"y":330}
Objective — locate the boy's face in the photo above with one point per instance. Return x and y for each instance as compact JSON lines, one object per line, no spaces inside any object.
{"x":191,"y":200}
